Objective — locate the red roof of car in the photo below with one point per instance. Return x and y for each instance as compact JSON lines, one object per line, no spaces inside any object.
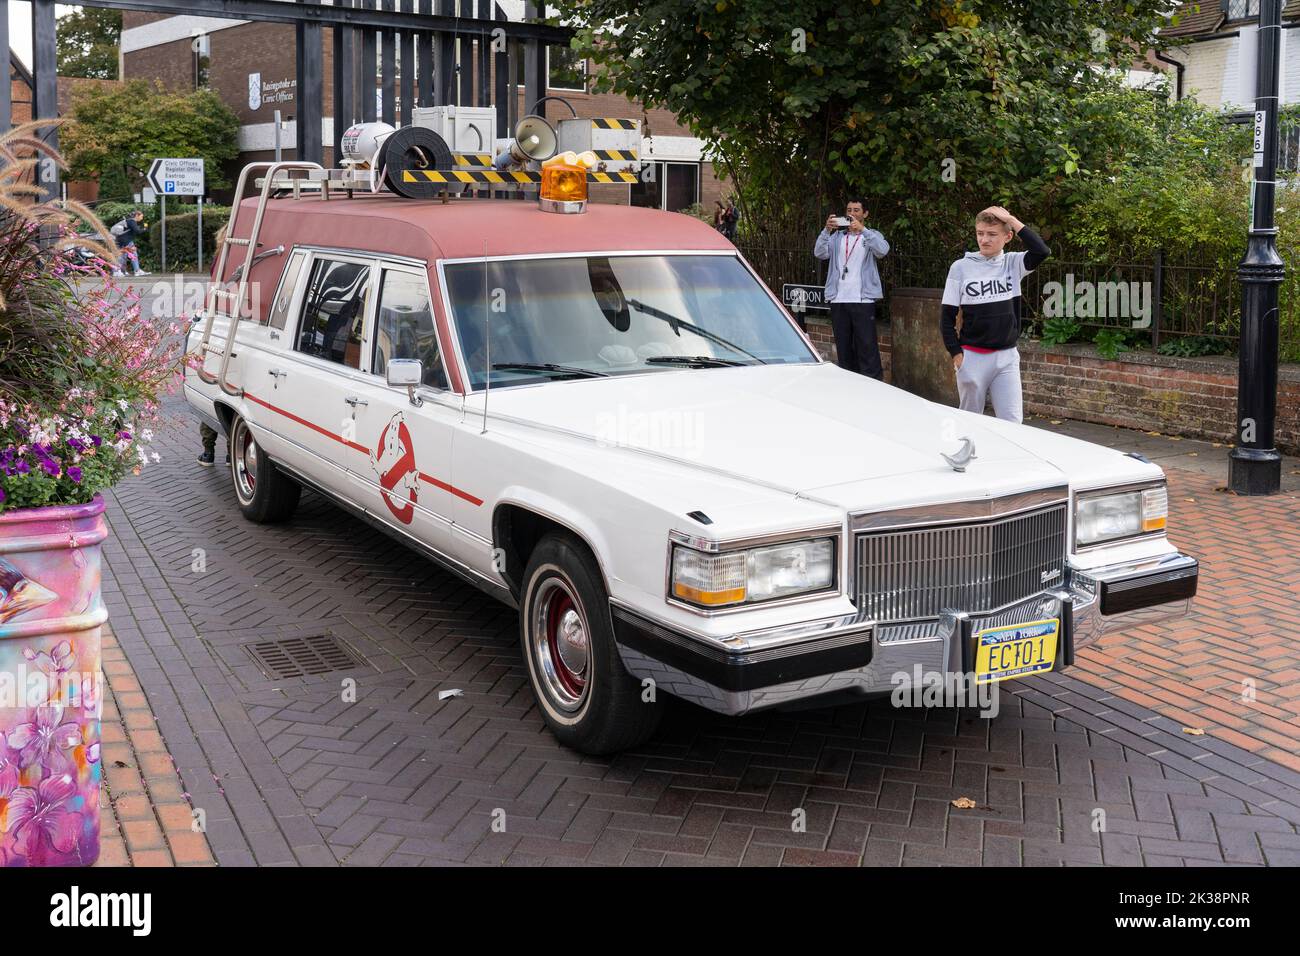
{"x":463,"y":227}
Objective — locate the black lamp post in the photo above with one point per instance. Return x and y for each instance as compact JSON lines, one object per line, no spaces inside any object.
{"x":1254,"y":465}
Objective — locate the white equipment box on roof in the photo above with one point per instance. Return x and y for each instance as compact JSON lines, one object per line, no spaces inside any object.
{"x":616,"y":142}
{"x":467,"y":129}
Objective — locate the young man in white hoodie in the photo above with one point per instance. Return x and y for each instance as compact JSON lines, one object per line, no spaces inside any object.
{"x":985,"y":287}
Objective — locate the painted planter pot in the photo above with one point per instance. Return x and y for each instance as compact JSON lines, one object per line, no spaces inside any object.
{"x":51,"y":684}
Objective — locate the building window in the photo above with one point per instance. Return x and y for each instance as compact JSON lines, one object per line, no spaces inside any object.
{"x":1241,"y":9}
{"x":565,"y":69}
{"x":675,"y":187}
{"x":201,"y":49}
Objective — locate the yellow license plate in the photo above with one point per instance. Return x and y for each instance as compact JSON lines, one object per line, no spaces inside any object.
{"x":1015,"y":650}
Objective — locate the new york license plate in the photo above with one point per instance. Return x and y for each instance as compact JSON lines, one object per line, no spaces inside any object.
{"x":1014,"y":650}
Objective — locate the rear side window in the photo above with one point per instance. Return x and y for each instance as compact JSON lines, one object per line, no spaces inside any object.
{"x":404,"y":328}
{"x":334,"y":311}
{"x":278,"y":316}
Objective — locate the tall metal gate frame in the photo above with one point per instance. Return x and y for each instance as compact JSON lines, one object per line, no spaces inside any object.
{"x":368,"y":37}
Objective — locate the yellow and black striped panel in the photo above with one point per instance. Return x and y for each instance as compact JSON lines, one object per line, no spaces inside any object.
{"x":482,"y":160}
{"x":498,"y":177}
{"x":606,"y":123}
{"x":616,"y":155}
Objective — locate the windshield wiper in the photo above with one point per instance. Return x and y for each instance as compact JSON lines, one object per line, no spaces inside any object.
{"x":697,"y":361}
{"x":676,"y":323}
{"x":561,"y":371}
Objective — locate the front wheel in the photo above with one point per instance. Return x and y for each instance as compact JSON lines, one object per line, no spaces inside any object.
{"x":588,"y":699}
{"x":266,"y":495}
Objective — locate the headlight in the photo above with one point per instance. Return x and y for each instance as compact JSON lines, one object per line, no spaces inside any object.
{"x":1103,"y":517}
{"x":753,"y":575}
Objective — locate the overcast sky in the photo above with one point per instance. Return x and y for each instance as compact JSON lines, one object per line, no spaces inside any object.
{"x":20,"y":28}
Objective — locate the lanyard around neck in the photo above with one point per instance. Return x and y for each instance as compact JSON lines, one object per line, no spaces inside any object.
{"x":848,"y":251}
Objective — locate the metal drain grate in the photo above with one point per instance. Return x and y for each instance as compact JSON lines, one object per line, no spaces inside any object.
{"x":303,"y":656}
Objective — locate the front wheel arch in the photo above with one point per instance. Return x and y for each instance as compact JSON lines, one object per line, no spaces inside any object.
{"x":517,"y":530}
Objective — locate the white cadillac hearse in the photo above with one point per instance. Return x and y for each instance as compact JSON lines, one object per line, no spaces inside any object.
{"x":607,"y":421}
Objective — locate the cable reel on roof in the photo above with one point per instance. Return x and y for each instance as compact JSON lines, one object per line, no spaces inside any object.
{"x":413,"y":149}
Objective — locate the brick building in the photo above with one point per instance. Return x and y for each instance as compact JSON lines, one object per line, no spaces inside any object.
{"x":252,"y":66}
{"x":20,"y":92}
{"x":1216,"y":60}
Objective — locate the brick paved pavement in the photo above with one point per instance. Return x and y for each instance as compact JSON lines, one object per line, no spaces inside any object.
{"x":1233,"y":668}
{"x":145,"y":819}
{"x":293,"y":771}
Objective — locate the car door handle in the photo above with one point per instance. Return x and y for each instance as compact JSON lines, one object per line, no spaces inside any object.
{"x":354,"y":401}
{"x":277,"y":373}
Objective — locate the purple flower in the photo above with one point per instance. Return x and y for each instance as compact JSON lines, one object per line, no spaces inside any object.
{"x":96,"y":440}
{"x":2,"y":495}
{"x":8,"y":768}
{"x":23,"y":468}
{"x":74,"y":473}
{"x":51,"y":467}
{"x":43,"y":740}
{"x":37,"y":816}
{"x":76,"y":444}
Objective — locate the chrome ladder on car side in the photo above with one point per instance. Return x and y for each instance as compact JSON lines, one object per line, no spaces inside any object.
{"x":235,"y":300}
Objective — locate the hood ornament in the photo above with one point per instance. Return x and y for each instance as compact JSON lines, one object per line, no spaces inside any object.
{"x":959,"y":461}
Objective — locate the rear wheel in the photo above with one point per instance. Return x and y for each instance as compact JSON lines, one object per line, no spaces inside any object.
{"x":266,"y":495}
{"x":589,"y":701}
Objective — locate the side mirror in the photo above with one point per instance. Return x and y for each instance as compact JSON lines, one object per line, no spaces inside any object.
{"x":402,"y":373}
{"x":408,"y":374}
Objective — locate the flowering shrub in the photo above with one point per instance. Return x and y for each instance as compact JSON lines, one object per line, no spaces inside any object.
{"x":81,"y":365}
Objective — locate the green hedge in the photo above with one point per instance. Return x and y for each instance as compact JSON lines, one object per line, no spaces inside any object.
{"x":181,"y":240}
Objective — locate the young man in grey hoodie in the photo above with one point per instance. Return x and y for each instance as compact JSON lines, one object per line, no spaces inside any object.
{"x":985,"y":286}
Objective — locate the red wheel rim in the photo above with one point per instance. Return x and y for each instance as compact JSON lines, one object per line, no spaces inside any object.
{"x":573,"y":681}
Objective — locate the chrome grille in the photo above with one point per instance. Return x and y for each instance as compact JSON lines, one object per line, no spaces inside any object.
{"x":915,"y":573}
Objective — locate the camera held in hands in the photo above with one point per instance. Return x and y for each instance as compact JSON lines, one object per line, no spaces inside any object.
{"x":842,"y":222}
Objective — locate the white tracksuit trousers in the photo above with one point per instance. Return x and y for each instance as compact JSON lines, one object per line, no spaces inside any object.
{"x":991,"y":374}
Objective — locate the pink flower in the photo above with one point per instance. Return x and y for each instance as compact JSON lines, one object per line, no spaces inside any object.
{"x":43,"y":740}
{"x":37,"y":816}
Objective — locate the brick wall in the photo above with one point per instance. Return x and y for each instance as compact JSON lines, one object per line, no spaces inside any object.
{"x":1194,"y":398}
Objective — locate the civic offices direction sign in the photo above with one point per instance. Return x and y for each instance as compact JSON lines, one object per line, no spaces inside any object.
{"x":177,"y":177}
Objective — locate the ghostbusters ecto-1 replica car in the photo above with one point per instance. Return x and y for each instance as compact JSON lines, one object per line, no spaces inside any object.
{"x":601,"y":416}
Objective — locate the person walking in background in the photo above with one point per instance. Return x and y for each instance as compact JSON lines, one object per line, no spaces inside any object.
{"x":730,"y":217}
{"x":985,"y":287}
{"x":129,"y":254}
{"x":853,"y":287}
{"x":719,"y":215}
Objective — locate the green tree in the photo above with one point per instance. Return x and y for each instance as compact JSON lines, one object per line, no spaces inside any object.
{"x":920,"y":105}
{"x":88,"y":40}
{"x":125,"y":127}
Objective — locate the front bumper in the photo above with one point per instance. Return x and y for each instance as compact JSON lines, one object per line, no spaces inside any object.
{"x":855,"y":657}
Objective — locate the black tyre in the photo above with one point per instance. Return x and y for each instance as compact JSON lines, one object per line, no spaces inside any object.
{"x":590,"y":702}
{"x":266,"y":495}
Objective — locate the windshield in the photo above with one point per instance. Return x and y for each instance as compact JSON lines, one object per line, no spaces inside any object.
{"x":593,"y":316}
